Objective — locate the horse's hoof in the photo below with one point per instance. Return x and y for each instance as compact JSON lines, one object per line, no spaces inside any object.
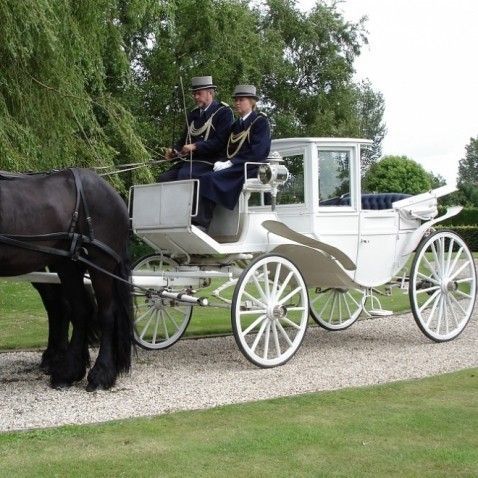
{"x":95,"y":387}
{"x":45,"y":368}
{"x":100,"y":378}
{"x":91,"y":387}
{"x":59,"y":384}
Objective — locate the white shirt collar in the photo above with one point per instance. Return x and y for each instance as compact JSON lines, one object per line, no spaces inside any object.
{"x":207,"y":107}
{"x":246,"y":116}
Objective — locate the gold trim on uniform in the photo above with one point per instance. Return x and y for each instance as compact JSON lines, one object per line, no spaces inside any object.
{"x":240,"y":138}
{"x":206,"y":127}
{"x":237,"y":138}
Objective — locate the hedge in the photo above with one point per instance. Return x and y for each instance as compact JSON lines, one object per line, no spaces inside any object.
{"x":467,"y":217}
{"x":468,"y":233}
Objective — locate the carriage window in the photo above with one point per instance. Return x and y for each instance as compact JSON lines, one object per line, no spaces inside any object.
{"x":334,"y":178}
{"x":293,"y":190}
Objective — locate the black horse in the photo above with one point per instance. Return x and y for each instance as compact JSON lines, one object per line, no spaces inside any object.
{"x":72,"y":221}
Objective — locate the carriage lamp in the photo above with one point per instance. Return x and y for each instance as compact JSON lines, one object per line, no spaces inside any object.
{"x":273,"y":174}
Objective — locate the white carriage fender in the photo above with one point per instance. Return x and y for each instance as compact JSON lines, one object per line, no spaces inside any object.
{"x":317,"y":267}
{"x":285,"y":231}
{"x":417,"y":235}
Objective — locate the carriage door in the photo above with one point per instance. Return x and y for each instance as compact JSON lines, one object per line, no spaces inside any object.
{"x":338,"y":217}
{"x":376,"y":248}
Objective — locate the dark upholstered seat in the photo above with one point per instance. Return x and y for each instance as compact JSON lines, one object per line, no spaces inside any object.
{"x":369,"y":201}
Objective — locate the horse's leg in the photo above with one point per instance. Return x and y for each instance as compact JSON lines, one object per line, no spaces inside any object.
{"x":113,"y":299}
{"x":72,"y":366}
{"x":57,"y":309}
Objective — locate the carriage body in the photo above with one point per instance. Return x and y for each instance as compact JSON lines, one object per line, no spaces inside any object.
{"x":321,"y":248}
{"x":322,"y":200}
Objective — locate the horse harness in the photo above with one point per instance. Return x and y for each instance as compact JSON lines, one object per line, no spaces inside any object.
{"x":77,"y":241}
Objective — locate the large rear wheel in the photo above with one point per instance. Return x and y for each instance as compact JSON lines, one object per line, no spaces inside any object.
{"x":270,"y":311}
{"x":442,"y":285}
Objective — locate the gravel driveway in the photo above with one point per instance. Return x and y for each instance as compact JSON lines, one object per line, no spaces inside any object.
{"x":204,"y":373}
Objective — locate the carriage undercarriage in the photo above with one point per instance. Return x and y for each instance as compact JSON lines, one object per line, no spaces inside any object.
{"x":271,"y":305}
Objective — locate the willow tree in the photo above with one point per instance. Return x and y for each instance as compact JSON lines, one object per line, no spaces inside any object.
{"x":65,"y":71}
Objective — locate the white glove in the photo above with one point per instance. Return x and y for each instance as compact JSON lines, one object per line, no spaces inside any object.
{"x":220,"y":165}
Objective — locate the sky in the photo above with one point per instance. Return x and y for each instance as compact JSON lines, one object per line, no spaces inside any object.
{"x":423,"y":57}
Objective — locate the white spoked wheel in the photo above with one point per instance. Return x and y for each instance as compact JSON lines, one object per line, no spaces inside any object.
{"x":158,"y":323}
{"x":270,"y":311}
{"x":442,"y":286}
{"x":336,"y":309}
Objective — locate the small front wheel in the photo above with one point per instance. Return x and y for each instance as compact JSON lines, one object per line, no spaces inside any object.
{"x":270,"y":309}
{"x":336,"y":309}
{"x":442,"y":286}
{"x":158,"y":323}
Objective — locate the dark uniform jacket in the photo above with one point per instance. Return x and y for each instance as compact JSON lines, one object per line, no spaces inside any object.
{"x":224,"y":187}
{"x":210,"y":138}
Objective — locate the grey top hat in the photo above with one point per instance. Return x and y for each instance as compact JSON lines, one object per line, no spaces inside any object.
{"x":201,"y":83}
{"x":245,"y":90}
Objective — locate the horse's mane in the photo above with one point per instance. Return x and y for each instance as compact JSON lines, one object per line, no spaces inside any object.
{"x":7,"y":175}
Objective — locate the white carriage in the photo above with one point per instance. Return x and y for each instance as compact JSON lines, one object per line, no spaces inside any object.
{"x":298,"y":243}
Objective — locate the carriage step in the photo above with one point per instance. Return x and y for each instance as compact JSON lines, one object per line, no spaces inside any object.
{"x":380,"y":312}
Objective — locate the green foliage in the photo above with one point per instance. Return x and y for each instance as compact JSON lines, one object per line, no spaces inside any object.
{"x":310,"y":92}
{"x":468,"y":233}
{"x":92,"y":83}
{"x":468,"y":166}
{"x":468,"y":216}
{"x":397,"y":174}
{"x":63,"y":72}
{"x":138,"y":249}
{"x":467,"y":195}
{"x":436,"y":181}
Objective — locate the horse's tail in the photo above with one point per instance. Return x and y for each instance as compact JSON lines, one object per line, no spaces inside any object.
{"x":93,"y":330}
{"x":123,"y":335}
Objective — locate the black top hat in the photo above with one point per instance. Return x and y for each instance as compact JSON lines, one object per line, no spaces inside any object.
{"x":201,"y":83}
{"x":245,"y":90}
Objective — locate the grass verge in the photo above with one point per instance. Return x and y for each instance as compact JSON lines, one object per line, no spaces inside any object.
{"x":416,"y":428}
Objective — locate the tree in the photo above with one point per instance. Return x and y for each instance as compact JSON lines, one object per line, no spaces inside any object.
{"x":437,"y":180}
{"x":96,"y":83}
{"x":64,"y":71}
{"x":467,"y":180}
{"x":301,"y":63}
{"x":397,"y":174}
{"x":370,"y":107}
{"x":468,"y":166}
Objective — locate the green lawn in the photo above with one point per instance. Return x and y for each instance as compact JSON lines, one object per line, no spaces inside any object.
{"x":425,"y":428}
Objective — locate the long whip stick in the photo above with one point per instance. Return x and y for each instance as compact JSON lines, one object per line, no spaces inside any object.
{"x":187,"y":128}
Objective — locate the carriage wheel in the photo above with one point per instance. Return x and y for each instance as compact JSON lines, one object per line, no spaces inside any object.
{"x":158,"y":323}
{"x":270,"y":311}
{"x":336,"y":309}
{"x":442,"y":286}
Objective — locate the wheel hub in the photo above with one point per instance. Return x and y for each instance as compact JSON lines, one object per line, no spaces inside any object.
{"x":277,"y":312}
{"x":448,"y":286}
